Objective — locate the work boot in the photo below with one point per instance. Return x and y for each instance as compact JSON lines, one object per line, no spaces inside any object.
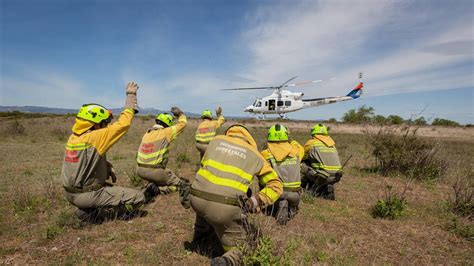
{"x":151,"y":191}
{"x":282,"y":216}
{"x":221,"y":261}
{"x":329,"y":193}
{"x":89,"y":216}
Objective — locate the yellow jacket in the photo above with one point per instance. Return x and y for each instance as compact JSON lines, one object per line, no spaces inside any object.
{"x":321,"y":154}
{"x":85,"y":162}
{"x":285,"y":158}
{"x":207,"y":129}
{"x":231,"y":162}
{"x":154,"y":148}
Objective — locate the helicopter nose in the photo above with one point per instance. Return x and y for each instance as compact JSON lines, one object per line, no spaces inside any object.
{"x":248,"y":109}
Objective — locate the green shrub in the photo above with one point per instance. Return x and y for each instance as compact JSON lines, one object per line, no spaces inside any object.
{"x":380,"y":119}
{"x":362,"y":115}
{"x":461,"y":227}
{"x":262,"y":254}
{"x":135,"y":180}
{"x":403,"y":151}
{"x":444,"y":122}
{"x":395,"y":120}
{"x":391,"y":206}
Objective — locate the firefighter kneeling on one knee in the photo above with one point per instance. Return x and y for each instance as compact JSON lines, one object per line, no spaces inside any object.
{"x":285,"y":157}
{"x":86,"y":169}
{"x":152,"y":156}
{"x":321,"y":167}
{"x":219,"y":191}
{"x":207,"y":129}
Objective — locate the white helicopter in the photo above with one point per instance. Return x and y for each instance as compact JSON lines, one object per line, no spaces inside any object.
{"x":283,"y":101}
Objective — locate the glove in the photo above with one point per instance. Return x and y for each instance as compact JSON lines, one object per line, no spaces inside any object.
{"x":253,"y":204}
{"x":131,"y":100}
{"x":111,"y":172}
{"x":218,"y":111}
{"x":176,"y":111}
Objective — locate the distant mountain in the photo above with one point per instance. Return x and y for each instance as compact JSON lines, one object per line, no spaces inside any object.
{"x":51,"y":110}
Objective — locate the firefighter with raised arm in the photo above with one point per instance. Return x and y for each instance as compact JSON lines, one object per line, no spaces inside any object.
{"x":153,"y":152}
{"x":207,"y":129}
{"x":321,"y":167}
{"x":86,"y":169}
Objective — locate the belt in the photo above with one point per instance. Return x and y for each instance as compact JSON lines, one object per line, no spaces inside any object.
{"x":90,"y":188}
{"x":150,"y":166}
{"x":215,"y":197}
{"x":291,"y":189}
{"x":202,"y":142}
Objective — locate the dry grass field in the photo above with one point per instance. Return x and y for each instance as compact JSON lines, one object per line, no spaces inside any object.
{"x":38,"y":226}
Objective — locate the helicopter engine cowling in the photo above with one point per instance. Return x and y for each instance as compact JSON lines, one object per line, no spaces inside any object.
{"x":299,"y":95}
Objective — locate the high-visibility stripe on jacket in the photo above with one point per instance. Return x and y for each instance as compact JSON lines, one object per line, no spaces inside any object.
{"x":229,"y":166}
{"x":320,"y":156}
{"x":154,"y":148}
{"x":285,"y":159}
{"x":207,"y":130}
{"x":85,"y":162}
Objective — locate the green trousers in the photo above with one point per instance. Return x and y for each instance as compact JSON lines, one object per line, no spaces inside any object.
{"x":227,"y":221}
{"x":159,"y":176}
{"x":109,"y":196}
{"x":201,"y":147}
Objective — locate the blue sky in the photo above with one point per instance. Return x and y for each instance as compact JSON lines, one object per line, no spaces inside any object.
{"x":413,"y":53}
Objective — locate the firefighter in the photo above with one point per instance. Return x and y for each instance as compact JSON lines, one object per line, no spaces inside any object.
{"x":321,"y":167}
{"x":153,"y":152}
{"x":86,"y":169}
{"x":285,"y":157}
{"x":220,"y":193}
{"x":207,"y":129}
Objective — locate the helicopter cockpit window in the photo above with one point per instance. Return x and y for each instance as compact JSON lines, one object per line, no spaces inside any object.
{"x":258,"y":104}
{"x":280,"y":103}
{"x":287,"y":103}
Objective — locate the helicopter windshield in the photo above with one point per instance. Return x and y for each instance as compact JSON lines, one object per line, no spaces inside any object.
{"x":257,"y":103}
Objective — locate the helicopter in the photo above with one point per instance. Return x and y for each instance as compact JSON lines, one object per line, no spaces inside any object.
{"x":283,"y":101}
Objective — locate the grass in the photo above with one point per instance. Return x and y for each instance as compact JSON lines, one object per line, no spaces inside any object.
{"x":38,"y":226}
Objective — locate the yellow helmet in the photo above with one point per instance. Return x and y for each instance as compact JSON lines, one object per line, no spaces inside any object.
{"x":165,"y":118}
{"x":319,"y":129}
{"x":206,"y":114}
{"x":95,"y":113}
{"x":277,"y":133}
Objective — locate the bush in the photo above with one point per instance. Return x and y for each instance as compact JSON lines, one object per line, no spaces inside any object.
{"x":380,"y":119}
{"x":391,"y":206}
{"x":395,"y":120}
{"x":461,"y":201}
{"x":420,"y":121}
{"x":362,"y":115}
{"x":403,"y":151}
{"x":444,"y":122}
{"x":13,"y":129}
{"x":261,"y":255}
{"x":461,"y":227}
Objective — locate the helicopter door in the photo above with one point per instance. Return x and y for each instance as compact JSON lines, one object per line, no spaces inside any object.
{"x":271,"y":105}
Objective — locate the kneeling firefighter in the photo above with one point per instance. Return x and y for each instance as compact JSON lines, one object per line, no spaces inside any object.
{"x":207,"y":129}
{"x":86,"y":169}
{"x":285,"y":157}
{"x":321,"y":167}
{"x":153,"y":152}
{"x":220,"y":193}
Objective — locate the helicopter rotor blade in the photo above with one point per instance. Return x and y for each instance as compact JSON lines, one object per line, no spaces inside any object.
{"x":255,"y":88}
{"x":284,"y":83}
{"x":303,"y":83}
